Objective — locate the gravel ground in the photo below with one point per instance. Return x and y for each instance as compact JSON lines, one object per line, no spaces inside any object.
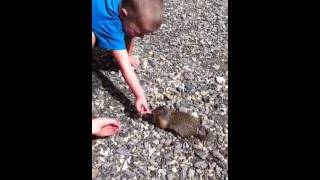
{"x":183,"y":66}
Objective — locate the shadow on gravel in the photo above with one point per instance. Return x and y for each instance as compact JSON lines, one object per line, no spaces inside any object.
{"x":117,"y":94}
{"x":102,"y":61}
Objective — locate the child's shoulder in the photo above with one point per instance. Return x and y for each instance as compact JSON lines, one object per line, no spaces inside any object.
{"x":105,"y":14}
{"x":109,"y":7}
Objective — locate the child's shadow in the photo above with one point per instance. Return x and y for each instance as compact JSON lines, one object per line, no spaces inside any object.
{"x":103,"y":61}
{"x":117,"y":94}
{"x":129,"y":108}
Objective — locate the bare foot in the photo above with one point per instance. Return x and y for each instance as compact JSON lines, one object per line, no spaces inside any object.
{"x":103,"y":127}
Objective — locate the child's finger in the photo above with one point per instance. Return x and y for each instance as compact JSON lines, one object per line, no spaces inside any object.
{"x":116,"y":123}
{"x":138,"y":109}
{"x":143,"y":112}
{"x":113,"y":122}
{"x":146,"y":108}
{"x":107,"y":131}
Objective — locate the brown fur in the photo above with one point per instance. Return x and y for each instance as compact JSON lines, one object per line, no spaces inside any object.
{"x":180,"y":123}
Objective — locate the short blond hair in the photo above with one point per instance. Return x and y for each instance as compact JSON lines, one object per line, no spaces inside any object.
{"x":138,"y":9}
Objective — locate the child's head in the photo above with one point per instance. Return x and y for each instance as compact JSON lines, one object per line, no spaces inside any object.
{"x":140,"y":17}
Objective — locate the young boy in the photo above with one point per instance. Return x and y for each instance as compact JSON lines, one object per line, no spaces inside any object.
{"x":115,"y":24}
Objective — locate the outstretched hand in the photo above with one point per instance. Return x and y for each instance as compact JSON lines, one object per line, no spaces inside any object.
{"x":142,"y":106}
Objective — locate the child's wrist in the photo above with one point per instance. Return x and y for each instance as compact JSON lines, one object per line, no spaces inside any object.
{"x":139,"y":96}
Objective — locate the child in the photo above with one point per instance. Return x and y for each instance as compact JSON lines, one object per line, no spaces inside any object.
{"x":115,"y":24}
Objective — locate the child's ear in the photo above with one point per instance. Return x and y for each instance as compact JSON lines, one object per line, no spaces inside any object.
{"x":123,"y":13}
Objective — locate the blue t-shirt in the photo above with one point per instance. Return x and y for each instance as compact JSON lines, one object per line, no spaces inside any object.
{"x":106,"y":24}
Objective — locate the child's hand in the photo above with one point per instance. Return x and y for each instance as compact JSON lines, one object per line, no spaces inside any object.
{"x":135,"y":62}
{"x":103,"y":127}
{"x":142,"y":106}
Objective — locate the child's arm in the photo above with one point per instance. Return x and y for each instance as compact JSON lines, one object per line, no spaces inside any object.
{"x":131,"y":79}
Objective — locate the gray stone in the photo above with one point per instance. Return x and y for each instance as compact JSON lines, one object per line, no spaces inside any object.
{"x":201,"y":164}
{"x":156,"y":141}
{"x":220,"y":80}
{"x":168,"y":155}
{"x":168,"y":142}
{"x":171,"y":176}
{"x":206,"y":99}
{"x":191,"y":173}
{"x":200,"y":153}
{"x":183,"y":109}
{"x":144,"y":170}
{"x":183,"y":174}
{"x":129,"y":173}
{"x":123,"y":151}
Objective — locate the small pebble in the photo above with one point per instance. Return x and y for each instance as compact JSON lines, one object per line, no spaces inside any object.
{"x":191,"y":173}
{"x":155,"y":141}
{"x":168,"y":142}
{"x":201,"y":164}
